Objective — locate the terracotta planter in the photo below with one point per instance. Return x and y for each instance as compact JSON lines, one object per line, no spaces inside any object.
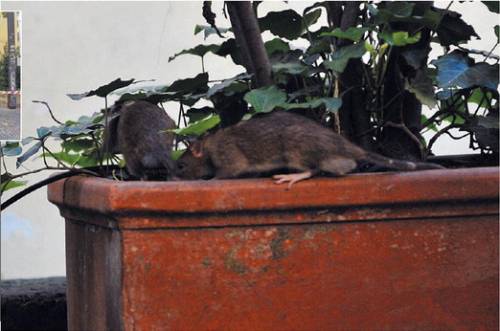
{"x":416,"y":250}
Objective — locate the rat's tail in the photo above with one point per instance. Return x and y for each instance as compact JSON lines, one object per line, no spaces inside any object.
{"x":399,"y":164}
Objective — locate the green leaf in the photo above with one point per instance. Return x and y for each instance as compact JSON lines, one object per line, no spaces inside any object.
{"x":391,"y":11}
{"x":230,"y":48}
{"x":431,"y":126}
{"x":416,"y":57}
{"x":400,"y":8}
{"x":331,"y":104}
{"x":199,"y":50}
{"x":11,"y":149}
{"x":457,"y":119}
{"x":196,"y":114}
{"x":73,"y":159}
{"x":276,"y":45}
{"x":292,"y":68}
{"x":351,"y":33}
{"x":456,"y":69}
{"x":342,"y":56}
{"x":177,"y":154}
{"x":29,"y":153}
{"x":208,"y":30}
{"x":11,"y":184}
{"x":103,"y":90}
{"x":453,"y":30}
{"x":493,"y":6}
{"x":147,"y":90}
{"x":485,"y":130}
{"x":199,"y":127}
{"x":288,"y":23}
{"x":69,"y":159}
{"x":479,"y":97}
{"x":497,"y":32}
{"x":265,"y":99}
{"x":310,"y":18}
{"x":230,"y":86}
{"x":198,"y":84}
{"x":399,"y":38}
{"x":431,"y":18}
{"x":77,"y":145}
{"x":422,"y":87}
{"x":43,"y":131}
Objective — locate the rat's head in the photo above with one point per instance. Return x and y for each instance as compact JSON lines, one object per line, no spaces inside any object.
{"x":194,"y":163}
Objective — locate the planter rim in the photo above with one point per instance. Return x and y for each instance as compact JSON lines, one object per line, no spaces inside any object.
{"x":105,"y":196}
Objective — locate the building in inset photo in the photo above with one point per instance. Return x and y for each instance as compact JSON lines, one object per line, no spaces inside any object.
{"x":10,"y":75}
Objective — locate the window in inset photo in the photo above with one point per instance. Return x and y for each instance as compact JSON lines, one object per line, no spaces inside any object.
{"x":10,"y":75}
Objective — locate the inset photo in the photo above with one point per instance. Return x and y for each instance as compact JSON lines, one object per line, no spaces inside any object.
{"x":10,"y":75}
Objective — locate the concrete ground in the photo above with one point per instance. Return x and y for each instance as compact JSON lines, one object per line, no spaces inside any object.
{"x":10,"y":124}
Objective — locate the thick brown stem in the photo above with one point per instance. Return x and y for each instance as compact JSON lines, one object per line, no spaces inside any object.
{"x":354,"y":117}
{"x":247,"y":34}
{"x":406,"y":110}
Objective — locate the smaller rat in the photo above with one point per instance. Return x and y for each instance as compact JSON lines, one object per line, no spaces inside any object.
{"x":138,"y":133}
{"x":276,"y":141}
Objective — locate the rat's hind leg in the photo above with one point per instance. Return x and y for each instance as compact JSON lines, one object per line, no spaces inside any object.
{"x":292,"y":178}
{"x":337,"y":166}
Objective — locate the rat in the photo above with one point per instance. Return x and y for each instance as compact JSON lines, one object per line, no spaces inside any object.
{"x":276,"y":141}
{"x":139,"y":133}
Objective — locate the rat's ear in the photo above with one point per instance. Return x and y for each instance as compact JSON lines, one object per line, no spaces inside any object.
{"x":196,"y":148}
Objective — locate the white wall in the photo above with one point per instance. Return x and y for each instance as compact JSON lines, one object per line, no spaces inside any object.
{"x":77,"y":46}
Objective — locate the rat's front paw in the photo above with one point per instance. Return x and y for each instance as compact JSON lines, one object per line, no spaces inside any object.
{"x":291,"y":178}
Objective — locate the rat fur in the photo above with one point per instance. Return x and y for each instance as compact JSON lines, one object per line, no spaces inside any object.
{"x":277,"y":141}
{"x":139,"y":134}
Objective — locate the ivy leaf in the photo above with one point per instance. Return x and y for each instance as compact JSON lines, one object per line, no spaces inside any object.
{"x":11,"y":149}
{"x":208,"y":30}
{"x":342,"y":56}
{"x":493,"y":6}
{"x":276,"y":45}
{"x":479,"y":97}
{"x":392,"y":11}
{"x":103,"y":90}
{"x":177,"y":154}
{"x":43,"y":132}
{"x":73,"y":159}
{"x":199,"y":127}
{"x":456,"y":69}
{"x":77,"y":145}
{"x":331,"y":104}
{"x":292,"y":68}
{"x":400,"y":38}
{"x":416,"y":57}
{"x":230,"y":86}
{"x":29,"y":153}
{"x":288,"y":23}
{"x":11,"y":184}
{"x":198,"y":84}
{"x":453,"y":30}
{"x":196,"y":114}
{"x":431,"y":126}
{"x":147,"y":90}
{"x":265,"y":99}
{"x":230,"y":48}
{"x":352,"y":33}
{"x":422,"y":87}
{"x":485,"y":130}
{"x":200,"y":50}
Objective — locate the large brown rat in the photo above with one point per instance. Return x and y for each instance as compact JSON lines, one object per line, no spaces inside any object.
{"x":139,"y":134}
{"x":276,"y":141}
